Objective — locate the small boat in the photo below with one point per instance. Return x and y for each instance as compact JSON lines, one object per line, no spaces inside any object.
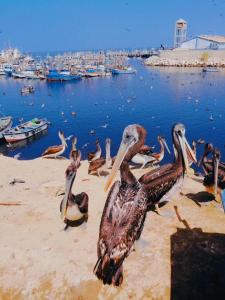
{"x":123,"y":70}
{"x":63,"y":75}
{"x":210,"y":70}
{"x":27,"y":90}
{"x":18,"y":75}
{"x":8,"y":70}
{"x":25,"y":130}
{"x":5,"y":124}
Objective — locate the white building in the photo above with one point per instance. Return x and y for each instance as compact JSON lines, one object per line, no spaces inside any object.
{"x":204,"y":42}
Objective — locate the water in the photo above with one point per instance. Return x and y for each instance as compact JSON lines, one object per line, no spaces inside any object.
{"x":154,"y":97}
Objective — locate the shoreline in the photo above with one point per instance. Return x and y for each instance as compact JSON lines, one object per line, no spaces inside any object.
{"x":39,"y":260}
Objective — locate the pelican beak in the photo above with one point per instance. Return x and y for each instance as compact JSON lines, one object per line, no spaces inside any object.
{"x":190,"y":151}
{"x":184,"y":148}
{"x":216,"y":167}
{"x":69,"y":183}
{"x":201,"y":160}
{"x":124,"y":147}
{"x":166,"y":146}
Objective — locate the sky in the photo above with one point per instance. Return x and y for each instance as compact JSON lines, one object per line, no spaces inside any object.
{"x":62,"y":25}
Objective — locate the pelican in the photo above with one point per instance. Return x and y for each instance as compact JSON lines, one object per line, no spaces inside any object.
{"x":73,"y":148}
{"x":124,"y":212}
{"x":215,"y":180}
{"x":101,"y":163}
{"x":56,"y":151}
{"x":207,"y":164}
{"x":164,"y":181}
{"x":194,"y":149}
{"x":97,"y":154}
{"x":153,"y":158}
{"x":73,"y":208}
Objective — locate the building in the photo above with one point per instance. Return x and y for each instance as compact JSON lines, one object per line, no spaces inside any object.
{"x":180,"y":34}
{"x":204,"y":42}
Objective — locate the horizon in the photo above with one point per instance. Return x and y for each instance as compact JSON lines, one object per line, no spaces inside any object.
{"x":47,"y":26}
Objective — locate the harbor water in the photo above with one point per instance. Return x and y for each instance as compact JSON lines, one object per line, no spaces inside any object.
{"x":94,"y":108}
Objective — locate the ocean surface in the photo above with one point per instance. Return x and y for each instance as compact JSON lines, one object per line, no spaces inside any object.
{"x":155,"y":98}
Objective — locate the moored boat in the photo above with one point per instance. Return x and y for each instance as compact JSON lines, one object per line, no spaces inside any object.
{"x":25,"y":130}
{"x":5,"y":124}
{"x":210,"y":70}
{"x":123,"y":70}
{"x":63,"y":75}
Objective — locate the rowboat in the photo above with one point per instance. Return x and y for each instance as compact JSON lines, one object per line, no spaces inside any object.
{"x":27,"y":90}
{"x":25,"y":130}
{"x":5,"y":124}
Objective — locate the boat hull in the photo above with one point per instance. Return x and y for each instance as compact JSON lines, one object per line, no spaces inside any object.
{"x":15,"y":137}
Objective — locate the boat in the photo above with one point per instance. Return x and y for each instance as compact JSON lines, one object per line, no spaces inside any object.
{"x":123,"y":70}
{"x":25,"y":130}
{"x":27,"y":90}
{"x":8,"y":70}
{"x":5,"y":124}
{"x":210,"y":70}
{"x":63,"y":75}
{"x":2,"y":72}
{"x":18,"y":75}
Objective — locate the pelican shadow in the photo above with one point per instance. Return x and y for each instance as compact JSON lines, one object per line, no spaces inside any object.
{"x":197,"y":265}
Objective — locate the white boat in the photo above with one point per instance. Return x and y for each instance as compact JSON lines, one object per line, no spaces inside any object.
{"x":27,"y":90}
{"x":25,"y":130}
{"x":18,"y":75}
{"x":210,"y":70}
{"x":5,"y":124}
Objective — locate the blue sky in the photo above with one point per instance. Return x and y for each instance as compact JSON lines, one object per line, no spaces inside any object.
{"x":48,"y":25}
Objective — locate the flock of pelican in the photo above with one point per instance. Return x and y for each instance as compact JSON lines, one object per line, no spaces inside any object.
{"x":130,"y":198}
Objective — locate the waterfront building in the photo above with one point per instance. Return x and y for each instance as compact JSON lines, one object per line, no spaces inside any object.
{"x":204,"y":42}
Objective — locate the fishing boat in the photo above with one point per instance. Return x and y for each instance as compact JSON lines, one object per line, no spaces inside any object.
{"x":25,"y":130}
{"x":123,"y":70}
{"x":5,"y":124}
{"x":63,"y":75}
{"x":8,"y":70}
{"x":18,"y":75}
{"x":27,"y":90}
{"x":210,"y":70}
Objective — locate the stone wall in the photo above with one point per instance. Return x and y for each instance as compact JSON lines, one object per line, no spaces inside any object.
{"x":183,"y":57}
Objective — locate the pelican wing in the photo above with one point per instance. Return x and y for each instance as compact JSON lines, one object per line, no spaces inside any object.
{"x":96,"y":164}
{"x":121,"y":224}
{"x":52,"y":150}
{"x":162,"y":184}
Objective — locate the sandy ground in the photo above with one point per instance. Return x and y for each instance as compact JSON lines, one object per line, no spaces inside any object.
{"x":39,"y":260}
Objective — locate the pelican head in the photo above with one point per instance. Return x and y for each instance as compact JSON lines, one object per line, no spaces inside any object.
{"x":133,"y":138}
{"x":163,"y":140}
{"x":70,"y":175}
{"x":107,"y":142}
{"x":62,"y":138}
{"x":179,"y":131}
{"x":207,"y":150}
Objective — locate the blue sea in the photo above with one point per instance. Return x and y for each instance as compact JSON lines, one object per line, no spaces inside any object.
{"x":155,"y":98}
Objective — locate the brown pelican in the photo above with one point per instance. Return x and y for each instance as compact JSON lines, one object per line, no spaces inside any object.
{"x":215,"y":180}
{"x":207,"y":164}
{"x":101,"y":163}
{"x":194,"y":149}
{"x":97,"y":154}
{"x":124,"y":212}
{"x":164,"y":181}
{"x":153,"y":158}
{"x":73,"y":208}
{"x":56,"y":151}
{"x":73,"y":148}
